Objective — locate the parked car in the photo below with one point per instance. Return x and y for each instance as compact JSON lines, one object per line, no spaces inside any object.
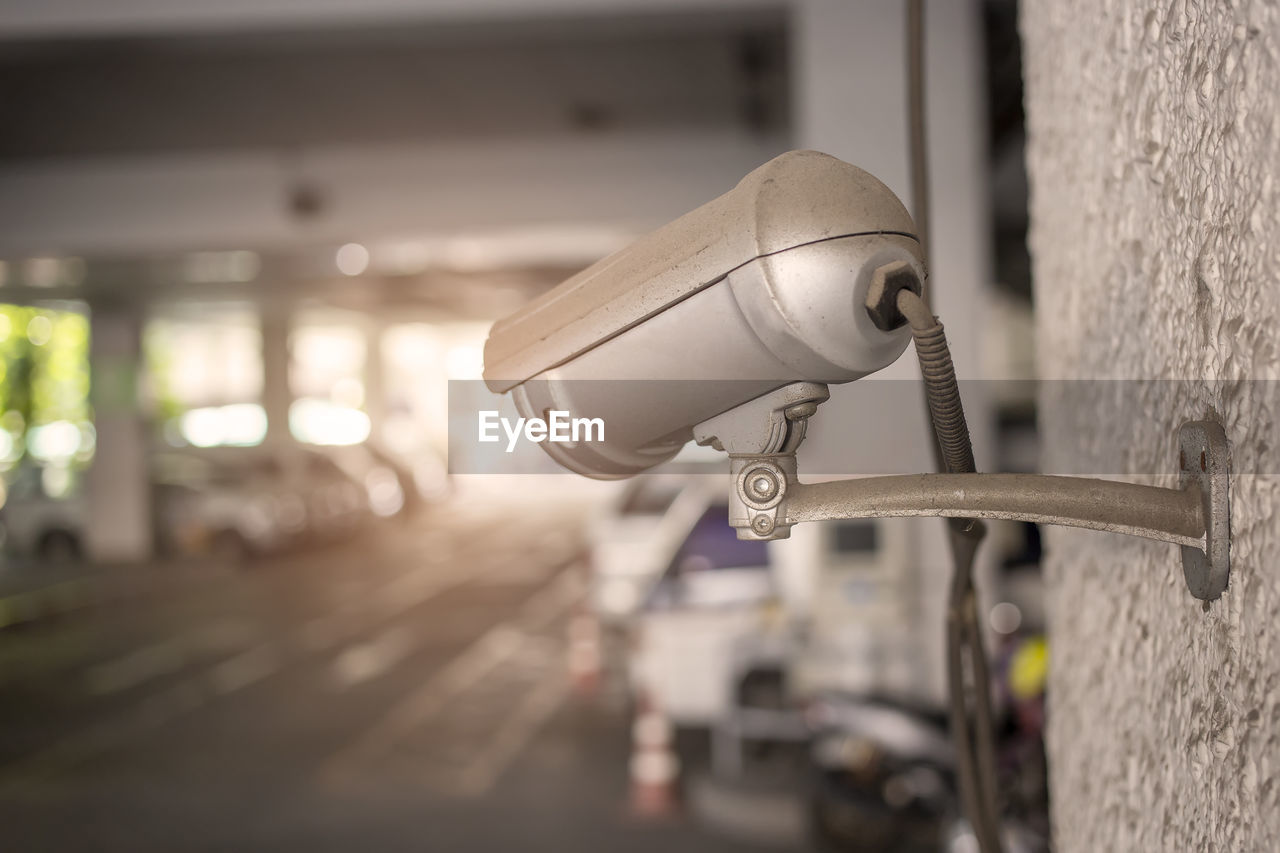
{"x":850,"y":584}
{"x":201,"y":506}
{"x":337,"y":507}
{"x":36,"y":523}
{"x":388,"y":486}
{"x":201,"y":503}
{"x":631,"y":542}
{"x":716,"y":598}
{"x":802,"y":615}
{"x":336,"y":504}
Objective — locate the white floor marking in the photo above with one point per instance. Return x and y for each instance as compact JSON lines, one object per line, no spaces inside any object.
{"x":553,"y":600}
{"x":357,"y":615}
{"x":166,"y":657}
{"x":267,"y":658}
{"x":482,"y":657}
{"x":136,"y":667}
{"x":246,"y":668}
{"x":417,"y":709}
{"x":362,"y":661}
{"x":515,"y":733}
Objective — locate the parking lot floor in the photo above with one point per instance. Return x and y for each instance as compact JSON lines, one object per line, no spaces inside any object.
{"x":404,"y":691}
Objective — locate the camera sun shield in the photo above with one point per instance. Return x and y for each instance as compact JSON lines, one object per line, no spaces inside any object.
{"x":755,"y":290}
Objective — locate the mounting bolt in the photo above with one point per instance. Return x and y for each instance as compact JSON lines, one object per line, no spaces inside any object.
{"x":882,"y":293}
{"x":762,"y":485}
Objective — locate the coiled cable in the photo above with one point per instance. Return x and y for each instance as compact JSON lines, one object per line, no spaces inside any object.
{"x":943,"y":391}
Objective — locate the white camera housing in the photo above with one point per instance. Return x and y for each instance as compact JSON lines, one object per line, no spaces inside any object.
{"x":761,"y":288}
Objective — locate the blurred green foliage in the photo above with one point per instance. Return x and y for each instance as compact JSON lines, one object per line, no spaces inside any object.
{"x":158,"y":355}
{"x":44,"y":370}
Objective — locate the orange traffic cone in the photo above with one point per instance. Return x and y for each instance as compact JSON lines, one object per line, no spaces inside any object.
{"x":584,"y":653}
{"x":654,"y":766}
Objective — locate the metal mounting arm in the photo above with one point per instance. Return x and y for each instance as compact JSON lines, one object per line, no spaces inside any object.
{"x":768,"y":498}
{"x":1167,"y":515}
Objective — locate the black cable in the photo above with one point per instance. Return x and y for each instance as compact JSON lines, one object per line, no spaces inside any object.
{"x":983,"y":719}
{"x":971,"y":791}
{"x":953,"y":451}
{"x":916,"y":119}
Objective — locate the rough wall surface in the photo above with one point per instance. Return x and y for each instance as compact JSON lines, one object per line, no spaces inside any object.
{"x":1154,"y":143}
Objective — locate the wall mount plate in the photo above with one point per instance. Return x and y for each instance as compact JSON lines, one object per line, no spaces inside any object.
{"x":1204,"y":460}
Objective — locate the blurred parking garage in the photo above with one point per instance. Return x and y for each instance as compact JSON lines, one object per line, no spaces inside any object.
{"x":244,"y":249}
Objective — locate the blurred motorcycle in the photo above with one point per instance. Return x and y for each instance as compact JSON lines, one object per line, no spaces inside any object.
{"x":884,"y":775}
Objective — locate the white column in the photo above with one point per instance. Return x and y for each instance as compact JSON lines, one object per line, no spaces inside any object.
{"x":276,"y":395}
{"x":117,"y":489}
{"x":374,"y":378}
{"x":851,"y":101}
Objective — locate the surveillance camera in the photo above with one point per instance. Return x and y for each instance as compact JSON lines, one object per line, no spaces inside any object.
{"x":764,"y":287}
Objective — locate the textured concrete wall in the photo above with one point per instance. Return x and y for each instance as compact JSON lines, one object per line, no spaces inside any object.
{"x":1154,"y":142}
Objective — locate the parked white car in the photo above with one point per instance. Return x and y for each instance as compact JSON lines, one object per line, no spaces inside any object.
{"x":714,"y":606}
{"x":201,"y":506}
{"x":336,"y":505}
{"x":850,"y":584}
{"x":384,"y":483}
{"x":822,"y":611}
{"x":632,"y":541}
{"x":35,"y":523}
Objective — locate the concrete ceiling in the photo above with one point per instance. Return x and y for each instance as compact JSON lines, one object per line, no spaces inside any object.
{"x":130,"y":148}
{"x":295,"y":90}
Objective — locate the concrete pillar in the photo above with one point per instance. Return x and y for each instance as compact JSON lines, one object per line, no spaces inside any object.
{"x":1153,"y":151}
{"x":374,"y":378}
{"x":851,"y":102}
{"x":276,"y":395}
{"x":117,"y":488}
